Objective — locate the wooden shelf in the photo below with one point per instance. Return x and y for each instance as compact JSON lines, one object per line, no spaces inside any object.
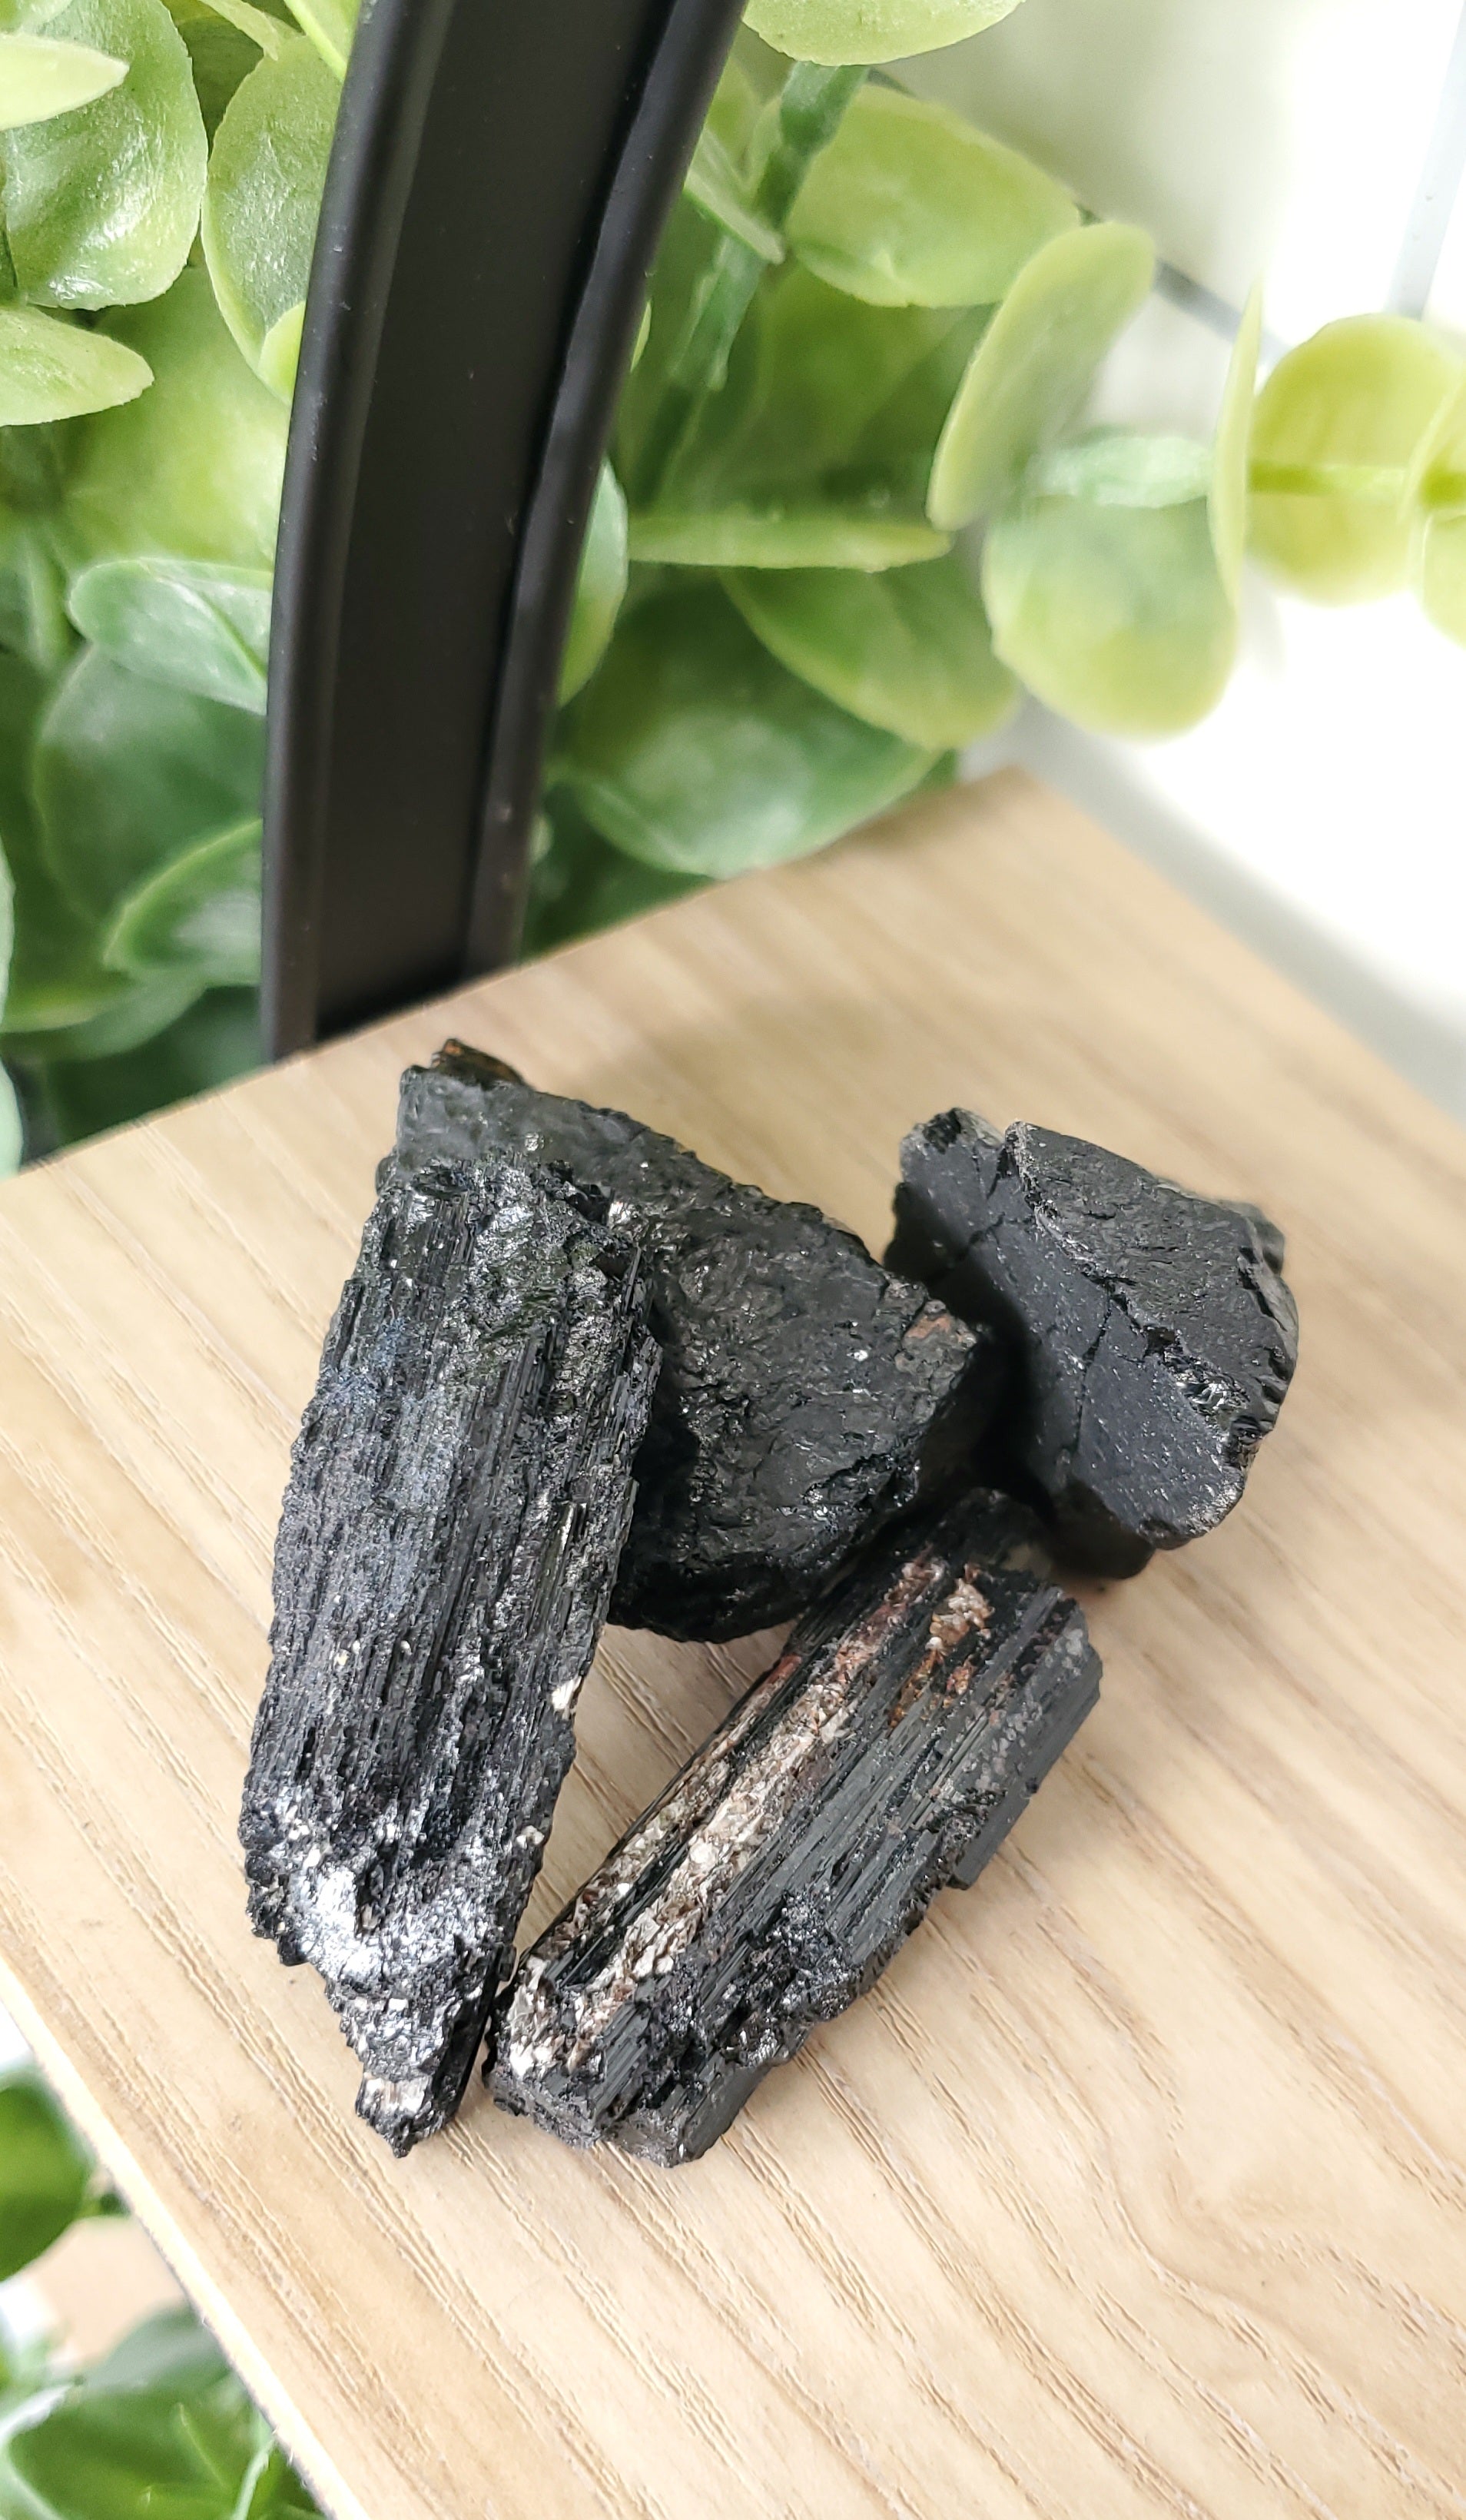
{"x":1140,"y":2186}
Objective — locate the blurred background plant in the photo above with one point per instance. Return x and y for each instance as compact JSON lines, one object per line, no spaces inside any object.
{"x":160,"y":2428}
{"x":851,"y":512}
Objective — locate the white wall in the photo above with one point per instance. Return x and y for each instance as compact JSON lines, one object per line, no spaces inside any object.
{"x":1319,"y":143}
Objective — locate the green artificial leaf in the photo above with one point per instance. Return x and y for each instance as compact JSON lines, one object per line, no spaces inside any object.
{"x":910,"y":207}
{"x":870,"y":31}
{"x":892,"y":457}
{"x":130,"y":773}
{"x":153,"y":2435}
{"x":40,"y":77}
{"x":600,"y":588}
{"x":1441,"y":574}
{"x":1119,"y":468}
{"x":1035,"y":364}
{"x":1232,"y":452}
{"x":192,"y":623}
{"x":813,"y":537}
{"x":737,"y":102}
{"x":45,"y":2171}
{"x":268,"y":35}
{"x":330,"y":26}
{"x":1116,"y":616}
{"x":56,"y":973}
{"x":716,"y":187}
{"x":1338,"y":427}
{"x":579,"y":884}
{"x":908,"y":650}
{"x":679,"y":280}
{"x":205,"y":1046}
{"x":1437,"y":473}
{"x":134,"y":1012}
{"x":814,"y":374}
{"x":695,"y":752}
{"x":53,"y":370}
{"x":199,"y":913}
{"x":222,"y":54}
{"x":33,"y":621}
{"x":265,"y":174}
{"x":11,"y":1136}
{"x":193,"y":471}
{"x":102,"y":205}
{"x":279,"y":352}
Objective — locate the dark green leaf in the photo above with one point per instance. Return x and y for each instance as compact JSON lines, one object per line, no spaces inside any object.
{"x":580,"y":884}
{"x":213,"y":1042}
{"x":199,"y":913}
{"x":55,"y":975}
{"x":782,"y":538}
{"x":45,"y":2171}
{"x":129,"y":773}
{"x":910,"y":650}
{"x":190,"y":623}
{"x":716,"y":187}
{"x":695,"y":752}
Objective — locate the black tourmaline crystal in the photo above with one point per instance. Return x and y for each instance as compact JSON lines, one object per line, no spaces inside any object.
{"x":806,"y":1397}
{"x":1156,"y":1335}
{"x":460,"y":1494}
{"x":887,"y":1753}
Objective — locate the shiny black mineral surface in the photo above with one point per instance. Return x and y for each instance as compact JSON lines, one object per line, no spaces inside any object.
{"x":886,"y":1754}
{"x":1155,"y":1334}
{"x":806,"y":1396}
{"x":459,"y":1497}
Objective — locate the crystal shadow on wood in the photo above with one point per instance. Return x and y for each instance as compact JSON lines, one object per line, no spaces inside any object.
{"x":886,"y":1754}
{"x":806,"y":1397}
{"x":460,"y":1494}
{"x":1155,"y":1334}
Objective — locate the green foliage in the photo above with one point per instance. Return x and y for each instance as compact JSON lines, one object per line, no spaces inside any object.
{"x":1339,"y":425}
{"x":45,"y":2171}
{"x":101,"y":203}
{"x":871,"y":329}
{"x":693,"y":750}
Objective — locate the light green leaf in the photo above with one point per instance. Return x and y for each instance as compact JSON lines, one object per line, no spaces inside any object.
{"x":102,"y":205}
{"x":714,"y":182}
{"x":870,"y":31}
{"x":1116,"y":616}
{"x":265,"y":174}
{"x":813,"y":537}
{"x":40,"y":77}
{"x":600,"y":588}
{"x":200,"y":913}
{"x":53,"y":370}
{"x":201,"y":1048}
{"x":1232,"y":454}
{"x":1119,"y":468}
{"x":910,"y":207}
{"x":910,"y":650}
{"x":1441,"y":574}
{"x":1338,"y":427}
{"x":1035,"y":364}
{"x":1437,"y":471}
{"x":330,"y":26}
{"x":11,"y":1134}
{"x":193,"y":471}
{"x":192,"y":623}
{"x":129,"y":773}
{"x":280,"y":351}
{"x":123,"y":2446}
{"x":45,"y":2171}
{"x":693,"y":751}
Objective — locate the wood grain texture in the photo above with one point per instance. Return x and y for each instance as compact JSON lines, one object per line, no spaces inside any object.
{"x":1138,"y":2186}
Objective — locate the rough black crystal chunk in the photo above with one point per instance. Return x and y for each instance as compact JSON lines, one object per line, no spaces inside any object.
{"x":1156,"y":1333}
{"x":460,"y":1493}
{"x":806,"y":1396}
{"x":887,"y":1753}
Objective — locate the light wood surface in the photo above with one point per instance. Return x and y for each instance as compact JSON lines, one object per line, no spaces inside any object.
{"x":1138,"y":2186}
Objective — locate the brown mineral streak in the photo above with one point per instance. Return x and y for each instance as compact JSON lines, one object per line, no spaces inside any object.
{"x":962,"y":1618}
{"x":738,"y":1821}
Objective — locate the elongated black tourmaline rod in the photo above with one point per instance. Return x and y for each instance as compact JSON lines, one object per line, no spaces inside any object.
{"x":497,"y":190}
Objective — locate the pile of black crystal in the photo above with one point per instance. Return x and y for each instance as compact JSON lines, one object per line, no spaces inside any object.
{"x":577,"y":1373}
